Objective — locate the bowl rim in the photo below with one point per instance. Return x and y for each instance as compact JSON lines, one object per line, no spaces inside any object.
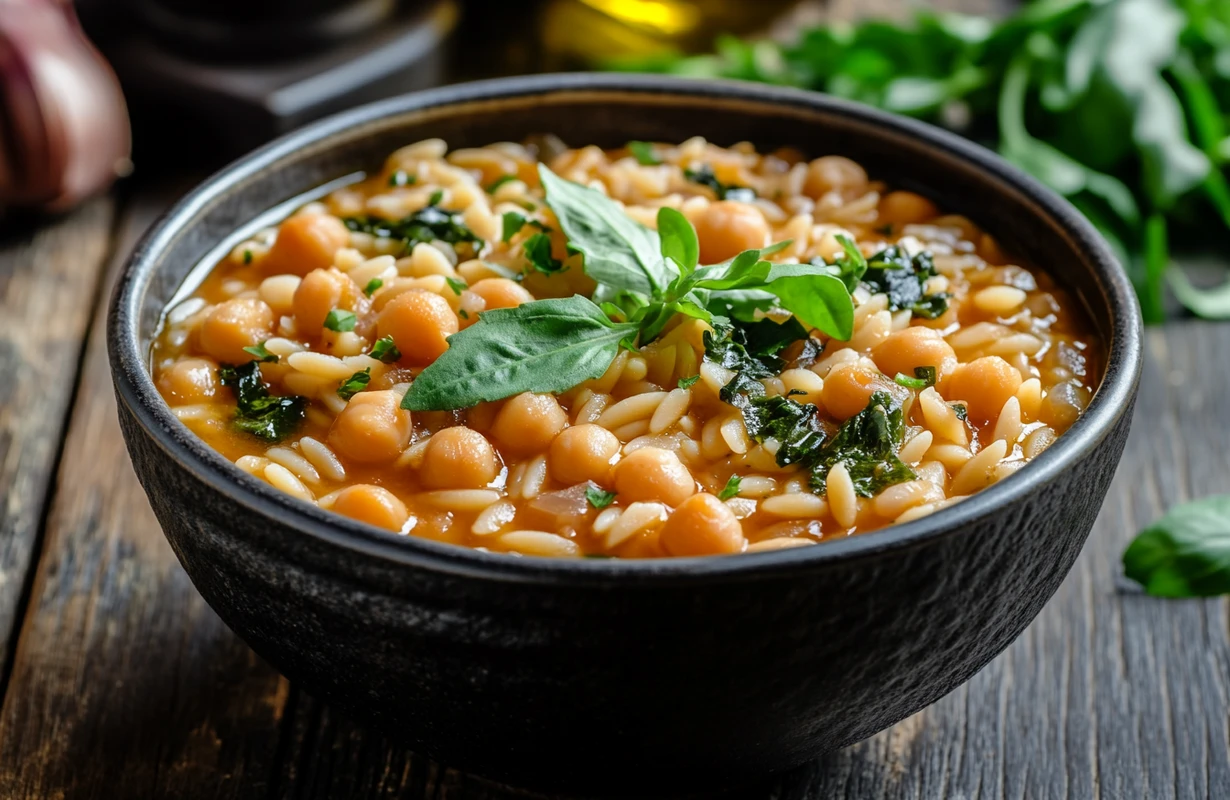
{"x":135,"y":388}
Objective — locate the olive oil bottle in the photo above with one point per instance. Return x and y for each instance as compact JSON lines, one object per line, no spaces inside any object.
{"x":586,"y":33}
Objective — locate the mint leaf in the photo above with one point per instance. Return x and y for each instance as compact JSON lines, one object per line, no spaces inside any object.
{"x":542,"y":346}
{"x":620,"y":253}
{"x":679,"y":242}
{"x":1186,"y":553}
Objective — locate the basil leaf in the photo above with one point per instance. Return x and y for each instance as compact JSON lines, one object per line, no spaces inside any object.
{"x":867,"y":445}
{"x":513,"y":223}
{"x":457,"y":285}
{"x":260,"y":353}
{"x":355,"y":384}
{"x":598,"y":498}
{"x":679,"y":242}
{"x":817,"y":299}
{"x":688,"y":383}
{"x":372,"y":286}
{"x":385,"y":351}
{"x":923,"y":377}
{"x":537,"y":251}
{"x":619,"y":252}
{"x":731,"y":489}
{"x":258,"y":412}
{"x":542,"y":346}
{"x":1186,"y":553}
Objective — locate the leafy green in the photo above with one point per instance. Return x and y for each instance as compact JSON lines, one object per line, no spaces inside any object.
{"x":537,"y":251}
{"x":1120,"y":105}
{"x":643,"y":153}
{"x":260,"y":353}
{"x":384,"y":350}
{"x":893,"y":272}
{"x":689,"y":382}
{"x":339,"y":319}
{"x":703,"y":175}
{"x":498,"y":182}
{"x":867,"y":445}
{"x":620,"y":253}
{"x":731,"y":488}
{"x":247,"y":256}
{"x":258,"y":412}
{"x":1186,"y":553}
{"x":513,"y":223}
{"x":543,"y":346}
{"x":599,"y":498}
{"x":923,"y":377}
{"x":354,"y":384}
{"x":457,"y":285}
{"x":426,"y":225}
{"x":679,"y":242}
{"x":372,"y":286}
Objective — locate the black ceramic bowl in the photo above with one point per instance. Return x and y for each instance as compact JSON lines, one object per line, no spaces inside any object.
{"x":605,"y":675}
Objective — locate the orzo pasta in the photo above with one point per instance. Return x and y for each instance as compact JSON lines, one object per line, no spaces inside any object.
{"x":665,"y":350}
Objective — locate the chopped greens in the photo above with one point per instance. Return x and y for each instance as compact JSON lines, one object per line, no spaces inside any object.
{"x":731,"y":488}
{"x":537,"y":251}
{"x":643,"y":153}
{"x":688,"y":383}
{"x":247,"y":256}
{"x":923,"y":377}
{"x":372,"y":286}
{"x":354,"y":384}
{"x":703,"y":175}
{"x":457,"y":285}
{"x":260,"y":353}
{"x":402,"y":178}
{"x":384,"y":350}
{"x":599,"y":498}
{"x":513,"y":223}
{"x":258,"y":412}
{"x":867,"y":445}
{"x":424,"y":226}
{"x":961,"y":411}
{"x":498,"y":182}
{"x":893,"y":272}
{"x":340,"y":320}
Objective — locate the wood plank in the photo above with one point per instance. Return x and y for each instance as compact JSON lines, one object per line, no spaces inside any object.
{"x":49,"y":276}
{"x":125,"y":684}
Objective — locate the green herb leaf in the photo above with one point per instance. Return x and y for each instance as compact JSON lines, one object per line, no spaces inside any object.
{"x":384,"y":350}
{"x":679,"y":242}
{"x":260,"y":353}
{"x":620,"y":253}
{"x":457,"y":285}
{"x":258,"y":412}
{"x":537,"y":251}
{"x":402,"y":178}
{"x":894,"y":273}
{"x":688,"y":383}
{"x":422,"y":227}
{"x":598,"y":498}
{"x":354,"y":384}
{"x":867,"y":445}
{"x":339,"y":319}
{"x":436,"y":197}
{"x":1186,"y":553}
{"x":372,"y":286}
{"x":961,"y":411}
{"x":817,"y":298}
{"x":643,"y":153}
{"x":923,"y":377}
{"x":498,"y":182}
{"x":731,"y":489}
{"x":247,"y":257}
{"x":543,"y":346}
{"x":513,"y":223}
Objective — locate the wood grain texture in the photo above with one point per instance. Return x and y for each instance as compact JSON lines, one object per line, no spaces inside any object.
{"x":47,"y":272}
{"x":125,"y":684}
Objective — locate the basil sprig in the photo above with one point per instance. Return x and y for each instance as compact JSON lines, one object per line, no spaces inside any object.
{"x":645,"y":279}
{"x":1186,"y":553}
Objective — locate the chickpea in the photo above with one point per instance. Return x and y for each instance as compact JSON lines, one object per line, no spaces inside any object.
{"x":528,"y":422}
{"x":914,"y":347}
{"x":849,"y":387}
{"x":702,"y":525}
{"x":193,"y":380}
{"x":905,"y":208}
{"x":501,"y":293}
{"x":651,"y":474}
{"x":306,"y":242}
{"x":233,"y":325}
{"x":726,"y":229}
{"x":582,"y":453}
{"x":320,"y":292}
{"x":833,"y":173}
{"x":1063,"y":403}
{"x":420,"y":323}
{"x":458,"y":458}
{"x":984,"y":385}
{"x":373,"y":505}
{"x":372,"y":428}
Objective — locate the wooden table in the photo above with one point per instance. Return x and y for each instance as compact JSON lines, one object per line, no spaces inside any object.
{"x":119,"y":682}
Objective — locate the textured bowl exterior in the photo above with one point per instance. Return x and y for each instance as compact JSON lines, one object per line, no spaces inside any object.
{"x":605,"y":676}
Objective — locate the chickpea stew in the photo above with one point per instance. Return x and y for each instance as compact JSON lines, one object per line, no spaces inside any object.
{"x":661,"y":350}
